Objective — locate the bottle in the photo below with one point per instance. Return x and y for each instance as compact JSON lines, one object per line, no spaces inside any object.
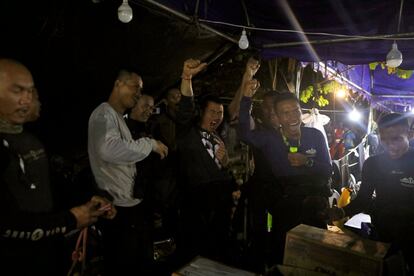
{"x":343,"y":200}
{"x":345,"y":197}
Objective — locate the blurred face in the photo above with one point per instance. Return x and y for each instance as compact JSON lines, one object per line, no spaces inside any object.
{"x":289,"y":114}
{"x":212,"y":116}
{"x":173,"y":97}
{"x":395,"y":140}
{"x":143,"y":109}
{"x":130,"y":90}
{"x":34,"y":111}
{"x":269,"y":115}
{"x":16,"y":90}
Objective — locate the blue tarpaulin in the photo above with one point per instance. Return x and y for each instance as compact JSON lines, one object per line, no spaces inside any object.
{"x":382,"y":89}
{"x":353,"y":21}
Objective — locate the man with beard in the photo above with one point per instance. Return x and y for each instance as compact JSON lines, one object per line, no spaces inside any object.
{"x":206,"y":183}
{"x":298,"y":158}
{"x":112,"y":155}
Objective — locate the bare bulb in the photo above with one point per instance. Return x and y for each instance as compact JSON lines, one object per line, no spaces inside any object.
{"x":341,"y":93}
{"x":394,"y":56}
{"x":354,"y":115}
{"x":243,"y":42}
{"x":125,"y":12}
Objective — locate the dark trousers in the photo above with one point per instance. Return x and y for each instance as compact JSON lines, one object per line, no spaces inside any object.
{"x":292,"y":211}
{"x":128,"y":242}
{"x":262,"y":195}
{"x":205,"y":222}
{"x":46,"y":258}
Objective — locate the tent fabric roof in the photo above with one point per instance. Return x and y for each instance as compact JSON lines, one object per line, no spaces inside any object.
{"x":346,"y":17}
{"x":383,"y":90}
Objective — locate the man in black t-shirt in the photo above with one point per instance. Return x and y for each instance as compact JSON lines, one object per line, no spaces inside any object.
{"x":391,"y":176}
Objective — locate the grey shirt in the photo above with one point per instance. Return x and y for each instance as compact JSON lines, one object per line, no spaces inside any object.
{"x":113,"y":154}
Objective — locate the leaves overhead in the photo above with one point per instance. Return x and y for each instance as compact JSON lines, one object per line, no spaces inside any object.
{"x":401,"y":73}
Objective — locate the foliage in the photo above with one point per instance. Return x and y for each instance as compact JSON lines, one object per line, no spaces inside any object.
{"x":401,"y":73}
{"x":322,"y":90}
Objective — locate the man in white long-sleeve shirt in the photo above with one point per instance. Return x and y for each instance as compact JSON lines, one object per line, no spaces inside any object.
{"x":113,"y":154}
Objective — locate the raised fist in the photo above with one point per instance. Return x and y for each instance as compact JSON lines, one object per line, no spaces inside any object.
{"x":252,"y":66}
{"x":192,"y":67}
{"x":250,"y":87}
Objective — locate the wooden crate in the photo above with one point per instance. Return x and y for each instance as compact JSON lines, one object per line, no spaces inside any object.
{"x":295,"y":271}
{"x":333,"y":253}
{"x":201,"y":266}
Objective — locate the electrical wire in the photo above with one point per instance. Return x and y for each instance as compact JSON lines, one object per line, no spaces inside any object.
{"x":300,"y":32}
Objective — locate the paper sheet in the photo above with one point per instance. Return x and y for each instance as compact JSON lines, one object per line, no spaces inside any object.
{"x":355,"y":221}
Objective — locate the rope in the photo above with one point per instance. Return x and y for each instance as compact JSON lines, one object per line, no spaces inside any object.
{"x":79,"y":254}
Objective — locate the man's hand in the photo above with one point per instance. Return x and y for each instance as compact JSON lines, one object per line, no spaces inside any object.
{"x":252,"y":66}
{"x":161,"y":149}
{"x":297,"y":159}
{"x":104,"y":205}
{"x":250,"y":87}
{"x":336,"y":213}
{"x":89,"y":212}
{"x":192,"y":67}
{"x":221,"y":153}
{"x":236,"y":195}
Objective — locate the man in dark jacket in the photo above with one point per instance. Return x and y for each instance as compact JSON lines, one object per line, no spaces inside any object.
{"x":206,"y":183}
{"x":298,"y":158}
{"x":30,"y":227}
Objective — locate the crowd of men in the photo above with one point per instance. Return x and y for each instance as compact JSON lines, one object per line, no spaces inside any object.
{"x":177,"y":168}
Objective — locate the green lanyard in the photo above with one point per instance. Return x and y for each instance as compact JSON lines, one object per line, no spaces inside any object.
{"x":292,"y":149}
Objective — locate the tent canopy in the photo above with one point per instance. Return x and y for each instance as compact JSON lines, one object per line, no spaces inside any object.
{"x":72,"y":46}
{"x":353,"y":22}
{"x":352,"y":25}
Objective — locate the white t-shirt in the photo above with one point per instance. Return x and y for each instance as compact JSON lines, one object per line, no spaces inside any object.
{"x":113,"y":154}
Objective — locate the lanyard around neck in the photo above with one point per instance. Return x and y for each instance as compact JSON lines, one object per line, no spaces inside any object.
{"x":292,"y":149}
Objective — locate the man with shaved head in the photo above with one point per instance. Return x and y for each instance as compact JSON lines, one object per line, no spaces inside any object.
{"x":17,"y":80}
{"x":113,"y":153}
{"x":30,"y":228}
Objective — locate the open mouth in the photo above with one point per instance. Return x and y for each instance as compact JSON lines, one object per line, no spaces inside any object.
{"x":213,"y":124}
{"x":23,"y":112}
{"x":294,"y":125}
{"x":393,"y":153}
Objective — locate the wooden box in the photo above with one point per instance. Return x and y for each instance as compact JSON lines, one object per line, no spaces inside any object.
{"x":333,"y":253}
{"x":205,"y":267}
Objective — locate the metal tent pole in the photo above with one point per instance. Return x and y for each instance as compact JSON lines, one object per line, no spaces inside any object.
{"x":189,"y":19}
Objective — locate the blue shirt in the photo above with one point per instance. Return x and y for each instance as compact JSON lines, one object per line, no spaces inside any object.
{"x":275,"y":150}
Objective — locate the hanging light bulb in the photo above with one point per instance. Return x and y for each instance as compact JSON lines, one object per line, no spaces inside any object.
{"x":341,"y":93}
{"x":125,"y":12}
{"x":394,"y":56}
{"x":243,"y":42}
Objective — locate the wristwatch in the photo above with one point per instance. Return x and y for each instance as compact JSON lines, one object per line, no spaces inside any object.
{"x":309,"y":163}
